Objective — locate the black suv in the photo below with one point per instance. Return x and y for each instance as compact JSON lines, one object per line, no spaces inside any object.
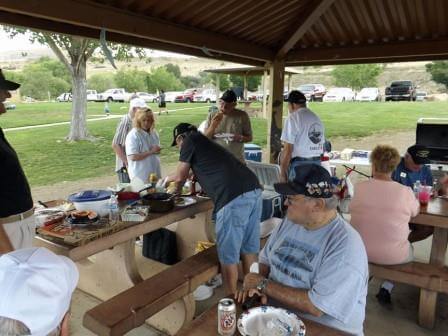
{"x":401,"y":90}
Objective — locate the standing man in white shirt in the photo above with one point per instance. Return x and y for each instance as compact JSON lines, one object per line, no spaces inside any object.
{"x":303,"y":137}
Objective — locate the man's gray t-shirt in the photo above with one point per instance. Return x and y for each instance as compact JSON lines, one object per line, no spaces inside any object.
{"x":330,"y":262}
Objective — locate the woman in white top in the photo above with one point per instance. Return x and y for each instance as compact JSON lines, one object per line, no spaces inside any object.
{"x":143,"y":146}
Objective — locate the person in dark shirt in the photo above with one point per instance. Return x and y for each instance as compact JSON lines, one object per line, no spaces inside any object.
{"x":412,"y":168}
{"x":235,"y":192}
{"x":16,"y":211}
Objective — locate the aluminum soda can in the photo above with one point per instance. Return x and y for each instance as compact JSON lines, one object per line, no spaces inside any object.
{"x":226,"y":317}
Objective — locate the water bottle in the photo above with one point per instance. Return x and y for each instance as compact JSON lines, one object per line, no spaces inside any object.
{"x":114,"y":213}
{"x":417,"y":186}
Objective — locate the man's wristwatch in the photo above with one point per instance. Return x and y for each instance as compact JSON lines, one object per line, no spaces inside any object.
{"x":262,"y":285}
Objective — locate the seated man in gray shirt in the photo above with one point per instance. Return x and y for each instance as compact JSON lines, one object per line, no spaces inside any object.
{"x":314,"y":262}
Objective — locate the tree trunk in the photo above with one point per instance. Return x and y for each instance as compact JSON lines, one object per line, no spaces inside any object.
{"x":78,"y":126}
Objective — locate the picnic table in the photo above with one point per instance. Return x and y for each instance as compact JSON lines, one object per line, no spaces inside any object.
{"x":107,"y":265}
{"x":434,"y":214}
{"x":206,"y":324}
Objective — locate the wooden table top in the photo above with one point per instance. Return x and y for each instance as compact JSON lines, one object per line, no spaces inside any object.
{"x":206,"y":324}
{"x":134,"y":229}
{"x":434,"y":214}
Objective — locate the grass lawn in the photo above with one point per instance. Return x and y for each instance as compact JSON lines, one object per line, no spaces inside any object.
{"x":47,"y":158}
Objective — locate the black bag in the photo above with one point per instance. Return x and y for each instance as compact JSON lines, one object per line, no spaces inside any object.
{"x":160,"y":245}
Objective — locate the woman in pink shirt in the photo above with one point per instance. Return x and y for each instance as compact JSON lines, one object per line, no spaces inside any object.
{"x":381,"y":210}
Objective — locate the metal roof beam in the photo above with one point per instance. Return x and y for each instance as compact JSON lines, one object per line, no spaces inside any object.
{"x":310,"y":15}
{"x":97,"y":16}
{"x":406,"y":51}
{"x":64,"y":28}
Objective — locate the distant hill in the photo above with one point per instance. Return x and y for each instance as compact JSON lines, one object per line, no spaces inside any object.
{"x":415,"y":71}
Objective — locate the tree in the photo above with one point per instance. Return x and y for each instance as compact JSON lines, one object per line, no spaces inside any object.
{"x":190,"y":81}
{"x":356,"y":76}
{"x":207,"y":78}
{"x":161,"y":79}
{"x":44,"y":79}
{"x":252,"y":82}
{"x":101,"y":82}
{"x":174,"y":69}
{"x":133,"y":80}
{"x":73,"y":52}
{"x":438,"y":71}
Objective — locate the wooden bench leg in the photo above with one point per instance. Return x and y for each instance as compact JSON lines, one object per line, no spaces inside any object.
{"x":427,"y":308}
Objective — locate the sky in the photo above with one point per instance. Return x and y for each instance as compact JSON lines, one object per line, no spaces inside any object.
{"x":22,"y":43}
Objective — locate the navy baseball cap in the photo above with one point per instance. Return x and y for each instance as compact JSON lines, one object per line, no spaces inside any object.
{"x":311,"y":180}
{"x":296,"y":97}
{"x":6,"y":84}
{"x":229,"y":96}
{"x":419,"y":154}
{"x":181,"y":129}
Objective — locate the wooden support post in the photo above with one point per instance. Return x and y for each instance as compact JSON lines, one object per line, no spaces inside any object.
{"x":265,"y":94}
{"x":217,"y":86}
{"x":275,"y":110}
{"x":245,"y":87}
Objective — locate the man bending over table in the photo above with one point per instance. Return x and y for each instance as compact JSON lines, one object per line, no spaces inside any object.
{"x":314,"y":262}
{"x":236,"y":195}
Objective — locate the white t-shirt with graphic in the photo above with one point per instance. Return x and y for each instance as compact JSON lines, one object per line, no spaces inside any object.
{"x":330,"y":263}
{"x":304,"y":130}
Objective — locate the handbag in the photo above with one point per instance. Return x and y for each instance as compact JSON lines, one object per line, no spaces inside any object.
{"x":161,"y":245}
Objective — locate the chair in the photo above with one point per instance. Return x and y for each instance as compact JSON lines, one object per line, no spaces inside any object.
{"x":268,"y":174}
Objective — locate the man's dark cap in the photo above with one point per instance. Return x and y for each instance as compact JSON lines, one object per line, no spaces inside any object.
{"x":229,"y":96}
{"x":311,"y":180}
{"x":6,"y":84}
{"x":296,"y":97}
{"x":419,"y":154}
{"x":181,"y":129}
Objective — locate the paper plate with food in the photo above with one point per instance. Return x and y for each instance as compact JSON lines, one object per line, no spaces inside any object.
{"x":270,"y":321}
{"x":82,"y":218}
{"x":184,"y":201}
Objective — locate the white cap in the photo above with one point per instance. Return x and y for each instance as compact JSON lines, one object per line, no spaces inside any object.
{"x":37,"y":287}
{"x":138,"y":102}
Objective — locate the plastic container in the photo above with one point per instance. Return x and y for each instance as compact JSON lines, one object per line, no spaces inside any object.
{"x":114,"y":210}
{"x":95,"y":200}
{"x":252,"y":152}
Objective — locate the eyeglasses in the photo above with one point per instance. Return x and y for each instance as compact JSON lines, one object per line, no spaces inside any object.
{"x":290,"y":200}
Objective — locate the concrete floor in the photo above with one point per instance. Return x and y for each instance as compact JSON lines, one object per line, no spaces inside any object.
{"x":398,"y":319}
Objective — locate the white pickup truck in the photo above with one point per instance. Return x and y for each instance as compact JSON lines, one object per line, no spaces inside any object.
{"x":113,"y":95}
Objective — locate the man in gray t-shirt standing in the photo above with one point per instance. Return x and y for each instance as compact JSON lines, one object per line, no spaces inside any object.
{"x":314,"y":262}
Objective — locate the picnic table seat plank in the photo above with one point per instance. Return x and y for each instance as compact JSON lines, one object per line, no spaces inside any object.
{"x":418,"y":274}
{"x":132,"y":307}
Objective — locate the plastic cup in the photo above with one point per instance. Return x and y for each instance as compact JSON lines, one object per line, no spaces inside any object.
{"x":424,"y":195}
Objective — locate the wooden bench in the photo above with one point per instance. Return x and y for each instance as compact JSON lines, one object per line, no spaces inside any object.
{"x":425,"y":276}
{"x":131,"y":308}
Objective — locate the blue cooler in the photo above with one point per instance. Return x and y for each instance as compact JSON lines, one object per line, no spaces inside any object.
{"x":252,"y":152}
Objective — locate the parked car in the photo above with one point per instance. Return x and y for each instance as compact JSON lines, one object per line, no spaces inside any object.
{"x":9,"y":106}
{"x":92,"y":95}
{"x":401,"y":90}
{"x":148,"y":97}
{"x":313,"y":92}
{"x":339,"y":95}
{"x":421,"y":96}
{"x":186,"y":96}
{"x":114,"y":95}
{"x":64,"y":97}
{"x":205,"y":95}
{"x":170,"y":96}
{"x":369,"y":94}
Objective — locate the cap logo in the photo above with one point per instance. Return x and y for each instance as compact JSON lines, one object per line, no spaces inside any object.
{"x":422,"y":153}
{"x":318,"y":188}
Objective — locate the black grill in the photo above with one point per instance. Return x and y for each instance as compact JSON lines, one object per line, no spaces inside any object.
{"x":433,"y":133}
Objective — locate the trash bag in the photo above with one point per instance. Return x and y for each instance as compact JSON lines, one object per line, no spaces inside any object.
{"x":161,"y":245}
